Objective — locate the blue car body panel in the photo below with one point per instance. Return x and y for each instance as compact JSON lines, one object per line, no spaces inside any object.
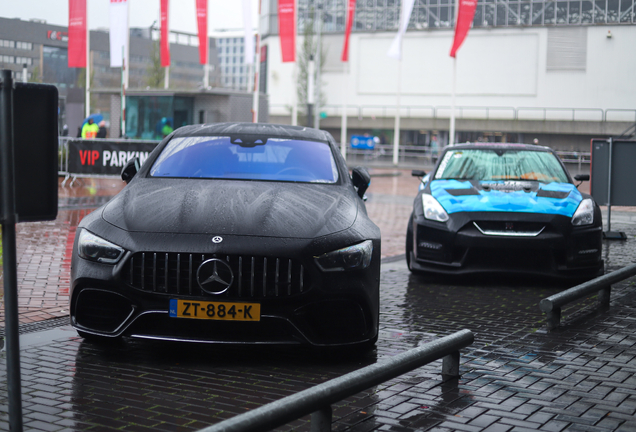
{"x":506,"y":196}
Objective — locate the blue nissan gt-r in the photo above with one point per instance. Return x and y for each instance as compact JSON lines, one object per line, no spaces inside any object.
{"x":512,"y":208}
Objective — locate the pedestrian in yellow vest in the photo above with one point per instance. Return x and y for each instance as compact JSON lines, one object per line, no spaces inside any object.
{"x":90,"y":129}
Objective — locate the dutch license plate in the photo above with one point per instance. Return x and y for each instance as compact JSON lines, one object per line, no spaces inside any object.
{"x":224,"y":311}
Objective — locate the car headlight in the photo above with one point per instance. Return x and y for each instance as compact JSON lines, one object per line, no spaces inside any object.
{"x":584,"y":215}
{"x":433,"y":210}
{"x":355,"y":257}
{"x":94,"y":248}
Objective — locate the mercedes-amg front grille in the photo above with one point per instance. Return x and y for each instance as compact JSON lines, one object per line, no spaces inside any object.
{"x":253,"y":276}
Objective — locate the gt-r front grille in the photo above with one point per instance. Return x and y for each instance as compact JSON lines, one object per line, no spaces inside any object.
{"x":509,"y":229}
{"x":253,"y":276}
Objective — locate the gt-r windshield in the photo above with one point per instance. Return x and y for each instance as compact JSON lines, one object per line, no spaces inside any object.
{"x":501,"y":164}
{"x":247,"y":159}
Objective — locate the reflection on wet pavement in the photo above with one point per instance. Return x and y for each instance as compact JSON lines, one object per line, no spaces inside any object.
{"x":515,"y":375}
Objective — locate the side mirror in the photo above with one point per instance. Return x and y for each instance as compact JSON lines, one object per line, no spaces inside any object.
{"x":361,"y":180}
{"x":418,"y":173}
{"x":130,"y":169}
{"x":581,"y":178}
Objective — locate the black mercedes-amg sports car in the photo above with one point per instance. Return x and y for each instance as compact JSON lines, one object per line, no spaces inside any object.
{"x":503,"y":208}
{"x":232,"y":233}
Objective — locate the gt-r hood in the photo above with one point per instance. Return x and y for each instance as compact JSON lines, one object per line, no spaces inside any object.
{"x":251,"y":208}
{"x":506,"y":196}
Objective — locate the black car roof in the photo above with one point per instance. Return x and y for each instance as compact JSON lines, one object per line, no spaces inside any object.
{"x":257,"y":129}
{"x":495,"y":146}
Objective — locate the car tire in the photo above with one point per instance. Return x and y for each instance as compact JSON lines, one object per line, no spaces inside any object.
{"x":409,"y":242}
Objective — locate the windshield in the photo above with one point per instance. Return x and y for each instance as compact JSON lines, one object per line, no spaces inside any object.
{"x":233,"y":158}
{"x":501,"y":164}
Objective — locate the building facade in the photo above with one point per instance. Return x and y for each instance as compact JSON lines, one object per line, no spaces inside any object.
{"x":558,"y":72}
{"x":38,"y":52}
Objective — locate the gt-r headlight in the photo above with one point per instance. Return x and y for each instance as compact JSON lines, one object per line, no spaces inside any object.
{"x":433,"y":210}
{"x":584,"y":214}
{"x":355,"y":257}
{"x":93,"y":248}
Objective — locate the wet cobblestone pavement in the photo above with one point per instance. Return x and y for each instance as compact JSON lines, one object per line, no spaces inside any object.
{"x":515,"y":377}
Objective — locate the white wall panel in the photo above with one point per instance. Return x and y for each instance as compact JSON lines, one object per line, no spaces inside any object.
{"x":495,"y":68}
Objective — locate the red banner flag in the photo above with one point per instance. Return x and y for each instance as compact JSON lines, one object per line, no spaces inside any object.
{"x":77,"y":33}
{"x":351,"y":9}
{"x":165,"y":30}
{"x":465,"y":17}
{"x":202,"y":22}
{"x":287,"y":29}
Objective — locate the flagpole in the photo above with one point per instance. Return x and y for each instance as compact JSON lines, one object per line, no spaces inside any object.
{"x":257,"y":63}
{"x":451,"y":138}
{"x":343,"y":127}
{"x":318,"y":67}
{"x":396,"y":133}
{"x":88,"y":65}
{"x":123,"y":95}
{"x":126,"y":54}
{"x":166,"y":70}
{"x":294,"y":113}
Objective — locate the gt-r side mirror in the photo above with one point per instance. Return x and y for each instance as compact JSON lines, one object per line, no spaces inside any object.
{"x":130,"y":169}
{"x":418,"y":173}
{"x":361,"y":180}
{"x":581,"y":178}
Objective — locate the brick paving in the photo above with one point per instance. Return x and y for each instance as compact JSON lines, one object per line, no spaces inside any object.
{"x":516,"y":376}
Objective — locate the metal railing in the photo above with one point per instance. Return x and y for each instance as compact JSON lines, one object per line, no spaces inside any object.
{"x":423,"y":155}
{"x":317,"y":400}
{"x":552,"y":305}
{"x":474,"y":112}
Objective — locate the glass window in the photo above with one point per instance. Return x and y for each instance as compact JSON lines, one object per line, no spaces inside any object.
{"x":501,"y":164}
{"x":247,"y":158}
{"x":24,"y":45}
{"x":147,"y":116}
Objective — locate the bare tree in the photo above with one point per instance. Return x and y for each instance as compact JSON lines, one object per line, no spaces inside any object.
{"x":308,"y":49}
{"x":155,"y":72}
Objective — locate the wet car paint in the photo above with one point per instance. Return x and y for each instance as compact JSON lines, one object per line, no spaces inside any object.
{"x":288,"y":221}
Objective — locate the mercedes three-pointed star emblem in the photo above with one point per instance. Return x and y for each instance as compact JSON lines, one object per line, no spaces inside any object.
{"x":215,"y":276}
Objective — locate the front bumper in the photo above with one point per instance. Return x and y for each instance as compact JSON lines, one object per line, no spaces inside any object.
{"x":326,"y":309}
{"x":460,"y":247}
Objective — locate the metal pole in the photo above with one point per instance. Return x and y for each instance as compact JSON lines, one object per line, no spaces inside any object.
{"x":318,"y":66}
{"x":8,"y":218}
{"x":88,"y":65}
{"x":343,"y":123}
{"x":321,"y":419}
{"x":122,"y":131}
{"x":609,"y":188}
{"x":294,"y":113}
{"x":451,"y":138}
{"x":310,"y":90}
{"x":257,"y":67}
{"x":396,"y":133}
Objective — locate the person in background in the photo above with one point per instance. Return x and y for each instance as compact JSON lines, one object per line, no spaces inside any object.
{"x":166,"y":129}
{"x":434,"y":149}
{"x":102,"y":132}
{"x":89,"y":130}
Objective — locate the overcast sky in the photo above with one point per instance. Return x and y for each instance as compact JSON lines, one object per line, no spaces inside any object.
{"x":222,"y":14}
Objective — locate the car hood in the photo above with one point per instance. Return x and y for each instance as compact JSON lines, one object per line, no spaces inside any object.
{"x":506,"y":196}
{"x":250,"y":208}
